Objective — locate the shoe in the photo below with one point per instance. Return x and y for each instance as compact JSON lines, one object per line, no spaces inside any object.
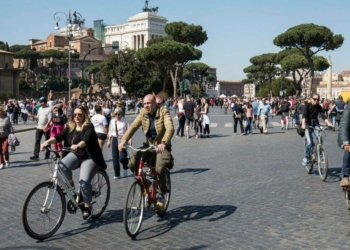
{"x":116,"y":177}
{"x":282,"y":128}
{"x":305,"y":162}
{"x":7,"y":163}
{"x":196,"y":136}
{"x":125,"y":173}
{"x":235,"y":133}
{"x":261,"y":130}
{"x":34,"y":158}
{"x":1,"y":166}
{"x":345,"y":182}
{"x":87,"y":212}
{"x":244,"y":134}
{"x":177,"y":136}
{"x":160,"y":203}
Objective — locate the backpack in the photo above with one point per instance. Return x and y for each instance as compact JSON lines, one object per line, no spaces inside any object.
{"x":325,"y":105}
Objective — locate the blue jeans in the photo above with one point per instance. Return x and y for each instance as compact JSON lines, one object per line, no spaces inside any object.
{"x":309,"y":139}
{"x":249,"y":125}
{"x":346,"y":163}
{"x":332,"y":119}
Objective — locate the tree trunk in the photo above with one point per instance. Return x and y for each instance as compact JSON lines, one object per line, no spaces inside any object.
{"x":174,"y":80}
{"x":312,"y":69}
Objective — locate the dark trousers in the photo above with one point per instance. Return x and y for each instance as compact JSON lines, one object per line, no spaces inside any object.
{"x":38,"y":135}
{"x":15,"y":118}
{"x":24,"y":117}
{"x":182,"y":120}
{"x":240,"y":124}
{"x":118,"y":157}
{"x":346,"y":164}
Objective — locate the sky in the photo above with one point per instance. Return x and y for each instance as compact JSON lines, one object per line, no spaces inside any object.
{"x":237,"y":29}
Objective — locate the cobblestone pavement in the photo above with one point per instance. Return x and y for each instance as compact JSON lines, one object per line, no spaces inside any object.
{"x":228,"y":192}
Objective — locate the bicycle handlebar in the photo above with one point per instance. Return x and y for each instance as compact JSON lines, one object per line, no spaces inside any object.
{"x":65,"y":149}
{"x":322,"y":127}
{"x":152,"y":147}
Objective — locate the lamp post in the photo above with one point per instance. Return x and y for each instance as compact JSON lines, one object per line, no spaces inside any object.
{"x":72,"y":24}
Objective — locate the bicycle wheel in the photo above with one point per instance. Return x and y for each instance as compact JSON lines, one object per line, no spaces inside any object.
{"x":133,"y":209}
{"x":40,"y":223}
{"x":166,"y":196}
{"x":322,"y":162}
{"x":101,"y":190}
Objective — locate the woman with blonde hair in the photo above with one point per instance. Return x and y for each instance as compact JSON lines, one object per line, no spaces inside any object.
{"x":117,"y":128}
{"x":80,"y":136}
{"x":5,"y":130}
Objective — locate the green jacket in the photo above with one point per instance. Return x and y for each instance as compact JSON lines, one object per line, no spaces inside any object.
{"x":163,"y":123}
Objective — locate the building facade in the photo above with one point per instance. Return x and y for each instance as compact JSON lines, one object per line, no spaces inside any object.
{"x":249,"y":90}
{"x":9,"y":82}
{"x":230,"y":88}
{"x":136,"y":32}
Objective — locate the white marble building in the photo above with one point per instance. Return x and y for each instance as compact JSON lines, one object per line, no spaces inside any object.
{"x":137,"y":31}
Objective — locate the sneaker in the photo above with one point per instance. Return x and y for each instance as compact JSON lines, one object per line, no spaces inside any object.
{"x":304,"y":162}
{"x":34,"y":158}
{"x":125,"y":173}
{"x":282,"y":128}
{"x":1,"y":166}
{"x":116,"y":177}
{"x":345,"y":182}
{"x":233,"y":134}
{"x":7,"y":163}
{"x":87,"y":212}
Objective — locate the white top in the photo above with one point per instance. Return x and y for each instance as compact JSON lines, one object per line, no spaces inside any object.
{"x":23,"y":109}
{"x":181,"y":107}
{"x":122,"y":125}
{"x":106,"y":111}
{"x":92,"y":112}
{"x":44,"y":115}
{"x":99,"y":121}
{"x":50,"y":103}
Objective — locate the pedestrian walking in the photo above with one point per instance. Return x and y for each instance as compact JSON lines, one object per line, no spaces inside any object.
{"x":249,"y":118}
{"x":101,"y":125}
{"x":181,"y":118}
{"x":198,"y":119}
{"x":238,"y":116}
{"x":205,"y":118}
{"x":263,"y":112}
{"x":5,"y":130}
{"x":117,"y":128}
{"x":44,"y":117}
{"x":189,"y":109}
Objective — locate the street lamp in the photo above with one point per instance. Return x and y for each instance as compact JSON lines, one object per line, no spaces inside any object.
{"x":72,"y":24}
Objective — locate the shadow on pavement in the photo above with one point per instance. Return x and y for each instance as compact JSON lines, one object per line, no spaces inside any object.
{"x":22,"y":164}
{"x":215,"y":136}
{"x":185,"y":214}
{"x":334,"y":174}
{"x":191,"y":170}
{"x":18,"y":153}
{"x":108,"y":217}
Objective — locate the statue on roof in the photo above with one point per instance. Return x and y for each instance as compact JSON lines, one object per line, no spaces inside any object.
{"x":147,"y":9}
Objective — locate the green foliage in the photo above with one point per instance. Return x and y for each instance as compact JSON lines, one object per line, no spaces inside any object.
{"x":2,"y":45}
{"x":16,"y":47}
{"x":186,"y":33}
{"x":283,"y":83}
{"x":304,"y":37}
{"x":93,"y":68}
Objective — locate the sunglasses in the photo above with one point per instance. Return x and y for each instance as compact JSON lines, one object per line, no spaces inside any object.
{"x":118,"y":114}
{"x":315,"y":99}
{"x":78,"y":115}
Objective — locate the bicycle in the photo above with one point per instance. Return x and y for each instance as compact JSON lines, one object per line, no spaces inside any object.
{"x":318,"y":153}
{"x":143,"y":192}
{"x":46,"y":202}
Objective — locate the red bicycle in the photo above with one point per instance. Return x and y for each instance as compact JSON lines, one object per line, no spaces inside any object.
{"x":143,"y":193}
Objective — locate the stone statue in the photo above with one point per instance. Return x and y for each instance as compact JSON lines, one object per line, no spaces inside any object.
{"x":147,"y":9}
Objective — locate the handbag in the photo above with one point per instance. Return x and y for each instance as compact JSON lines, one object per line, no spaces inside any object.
{"x":179,"y":114}
{"x":13,"y":141}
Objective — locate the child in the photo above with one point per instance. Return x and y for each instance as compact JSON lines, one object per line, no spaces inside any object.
{"x":57,"y":124}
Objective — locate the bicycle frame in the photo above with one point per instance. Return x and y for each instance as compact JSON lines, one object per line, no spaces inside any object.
{"x":141,"y":176}
{"x":58,"y":172}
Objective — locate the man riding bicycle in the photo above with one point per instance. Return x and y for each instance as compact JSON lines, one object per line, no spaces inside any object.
{"x":158,"y":127}
{"x":311,"y":112}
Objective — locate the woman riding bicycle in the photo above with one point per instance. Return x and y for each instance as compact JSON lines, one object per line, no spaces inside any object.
{"x":79,"y":134}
